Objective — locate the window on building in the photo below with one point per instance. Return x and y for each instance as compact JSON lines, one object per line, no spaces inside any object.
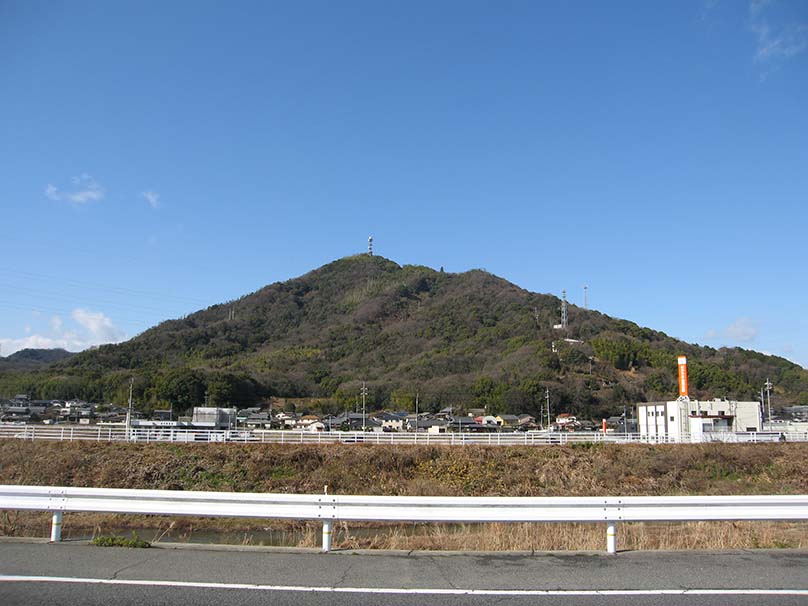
{"x":671,"y":419}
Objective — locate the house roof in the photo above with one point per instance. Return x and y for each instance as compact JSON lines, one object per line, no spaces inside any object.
{"x":432,"y":423}
{"x":387,"y":416}
{"x":462,"y":421}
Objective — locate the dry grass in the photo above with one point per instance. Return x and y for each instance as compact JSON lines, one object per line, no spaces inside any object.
{"x":414,"y":470}
{"x":577,"y":537}
{"x":421,"y":470}
{"x":434,"y":537}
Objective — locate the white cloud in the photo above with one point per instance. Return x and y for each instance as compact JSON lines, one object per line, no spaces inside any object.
{"x":52,"y":192}
{"x":153,"y":198}
{"x":99,"y":326}
{"x":84,"y":189}
{"x":778,"y":42}
{"x":9,"y":346}
{"x":743,"y":329}
{"x":93,"y":328}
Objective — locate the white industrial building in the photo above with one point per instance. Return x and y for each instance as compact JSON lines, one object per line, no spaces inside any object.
{"x":686,"y":420}
{"x":207,"y":417}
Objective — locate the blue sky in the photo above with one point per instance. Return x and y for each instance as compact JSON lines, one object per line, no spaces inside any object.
{"x":157,"y":158}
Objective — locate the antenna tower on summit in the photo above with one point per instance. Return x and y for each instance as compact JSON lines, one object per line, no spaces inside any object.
{"x":370,"y":245}
{"x":563,"y":309}
{"x":586,"y":301}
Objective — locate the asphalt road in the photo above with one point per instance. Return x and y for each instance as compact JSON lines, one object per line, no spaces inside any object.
{"x":75,"y":573}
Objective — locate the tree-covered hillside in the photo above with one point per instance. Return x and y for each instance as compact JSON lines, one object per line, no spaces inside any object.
{"x":468,"y":340}
{"x":32,"y":359}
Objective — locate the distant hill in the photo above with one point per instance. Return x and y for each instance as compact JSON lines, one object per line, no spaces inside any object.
{"x":31,"y":359}
{"x":467,"y":340}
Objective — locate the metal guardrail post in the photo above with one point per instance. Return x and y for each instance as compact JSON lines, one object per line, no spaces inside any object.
{"x":611,"y":538}
{"x":326,"y":536}
{"x":56,"y":527}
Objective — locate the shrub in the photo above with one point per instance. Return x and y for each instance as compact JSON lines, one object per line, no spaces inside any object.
{"x":114,"y":541}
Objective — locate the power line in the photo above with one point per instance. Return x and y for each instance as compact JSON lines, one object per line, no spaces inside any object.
{"x":45,"y":294}
{"x":61,"y":311}
{"x":94,"y":285}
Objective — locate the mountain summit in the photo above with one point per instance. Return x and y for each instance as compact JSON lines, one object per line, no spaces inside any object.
{"x":469,"y":339}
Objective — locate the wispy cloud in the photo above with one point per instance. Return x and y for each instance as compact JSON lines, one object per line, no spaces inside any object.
{"x":83,"y":189}
{"x":98,"y":327}
{"x":707,"y":9}
{"x":90,"y":328}
{"x":742,"y":330}
{"x":776,"y":42}
{"x":153,"y":198}
{"x":52,"y":192}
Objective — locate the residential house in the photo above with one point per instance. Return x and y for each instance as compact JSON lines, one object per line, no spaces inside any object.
{"x":287,"y":420}
{"x":463,"y":424}
{"x":391,"y":421}
{"x":526,"y":421}
{"x":508,"y":422}
{"x":258,"y":420}
{"x":355,"y":421}
{"x":306,"y":420}
{"x":566,"y":422}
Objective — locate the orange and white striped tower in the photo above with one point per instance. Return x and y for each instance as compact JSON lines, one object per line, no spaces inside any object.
{"x":683,"y":377}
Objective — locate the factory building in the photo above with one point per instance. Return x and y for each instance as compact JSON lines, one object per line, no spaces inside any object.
{"x":206,"y":417}
{"x":695,"y":420}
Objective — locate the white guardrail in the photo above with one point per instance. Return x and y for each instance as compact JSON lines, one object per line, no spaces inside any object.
{"x":106,"y":433}
{"x":331,"y":508}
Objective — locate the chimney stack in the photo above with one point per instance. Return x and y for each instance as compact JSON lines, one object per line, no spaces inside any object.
{"x":683,"y":377}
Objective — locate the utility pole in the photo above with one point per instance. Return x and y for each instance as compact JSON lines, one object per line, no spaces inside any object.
{"x":768,"y":386}
{"x":547,"y":405}
{"x":762,"y":404}
{"x":129,"y":410}
{"x":416,"y":412}
{"x":364,"y":393}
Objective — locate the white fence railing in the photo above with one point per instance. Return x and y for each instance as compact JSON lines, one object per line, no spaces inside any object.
{"x":106,"y":433}
{"x":331,"y":508}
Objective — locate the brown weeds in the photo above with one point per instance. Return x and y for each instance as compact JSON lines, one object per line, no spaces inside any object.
{"x":422,"y":470}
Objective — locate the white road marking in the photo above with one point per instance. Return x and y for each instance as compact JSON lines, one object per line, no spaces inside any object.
{"x":405,"y":591}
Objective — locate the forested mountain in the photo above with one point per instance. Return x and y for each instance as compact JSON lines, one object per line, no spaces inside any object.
{"x":32,"y":359}
{"x":468,"y":340}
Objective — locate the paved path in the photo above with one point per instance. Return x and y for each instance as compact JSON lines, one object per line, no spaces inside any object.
{"x":75,"y":573}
